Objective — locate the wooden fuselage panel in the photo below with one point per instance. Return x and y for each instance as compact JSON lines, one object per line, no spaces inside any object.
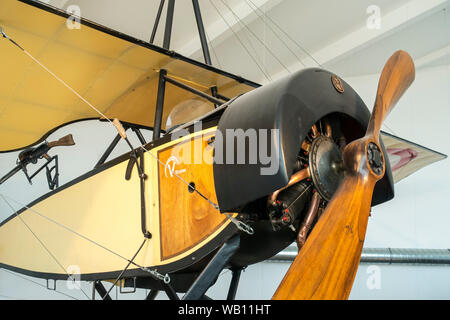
{"x":186,"y":217}
{"x":105,"y":208}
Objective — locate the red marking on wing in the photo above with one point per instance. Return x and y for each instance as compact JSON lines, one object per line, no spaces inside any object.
{"x":406,"y":156}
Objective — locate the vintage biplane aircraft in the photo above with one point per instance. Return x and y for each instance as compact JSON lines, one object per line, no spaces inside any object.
{"x":159,"y":218}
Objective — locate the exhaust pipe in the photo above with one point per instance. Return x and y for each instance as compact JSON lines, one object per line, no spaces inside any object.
{"x":432,"y":257}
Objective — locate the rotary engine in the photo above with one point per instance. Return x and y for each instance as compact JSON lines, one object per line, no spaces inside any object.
{"x":318,"y":173}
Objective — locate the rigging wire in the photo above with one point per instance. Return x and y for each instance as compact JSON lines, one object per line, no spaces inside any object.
{"x":126,"y":268}
{"x":63,"y":226}
{"x":275,"y":33}
{"x":37,"y":283}
{"x":285,"y":33}
{"x":153,"y":272}
{"x":213,"y":49}
{"x":100,"y":113}
{"x":256,"y":37}
{"x":266,"y":75}
{"x":42,"y":243}
{"x":264,"y":16}
{"x":249,"y":41}
{"x":54,"y":75}
{"x":240,"y":225}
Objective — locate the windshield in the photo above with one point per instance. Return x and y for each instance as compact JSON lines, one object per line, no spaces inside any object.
{"x":187,"y":111}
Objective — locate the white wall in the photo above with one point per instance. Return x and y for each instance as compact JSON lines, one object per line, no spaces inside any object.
{"x":372,"y":282}
{"x":91,"y":138}
{"x":418,"y":217}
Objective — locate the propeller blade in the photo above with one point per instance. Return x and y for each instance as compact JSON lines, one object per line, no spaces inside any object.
{"x":326,"y":266}
{"x":397,"y":76}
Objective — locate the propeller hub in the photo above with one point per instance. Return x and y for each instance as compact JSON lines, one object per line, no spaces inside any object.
{"x":375,"y":158}
{"x":326,"y":166}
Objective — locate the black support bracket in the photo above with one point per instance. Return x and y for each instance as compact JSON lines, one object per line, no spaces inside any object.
{"x":209,"y":275}
{"x":234,"y":283}
{"x":159,"y":104}
{"x":98,"y":286}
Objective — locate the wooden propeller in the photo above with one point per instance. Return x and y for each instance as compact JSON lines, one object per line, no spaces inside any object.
{"x":326,"y":266}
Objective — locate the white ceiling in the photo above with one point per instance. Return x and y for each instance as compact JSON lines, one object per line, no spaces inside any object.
{"x":334,"y":32}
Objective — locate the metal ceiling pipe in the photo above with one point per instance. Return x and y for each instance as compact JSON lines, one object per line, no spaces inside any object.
{"x":430,"y":257}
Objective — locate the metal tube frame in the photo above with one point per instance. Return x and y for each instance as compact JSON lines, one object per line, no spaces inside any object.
{"x":101,"y":290}
{"x":152,"y":295}
{"x":159,"y":104}
{"x":114,"y":143}
{"x":201,"y":32}
{"x":169,"y":24}
{"x":171,"y":293}
{"x":158,"y":17}
{"x":108,"y":151}
{"x":142,"y":178}
{"x":210,"y":273}
{"x":194,"y":91}
{"x":215,"y":97}
{"x":234,"y":283}
{"x":139,"y":135}
{"x":53,"y":182}
{"x":221,"y":97}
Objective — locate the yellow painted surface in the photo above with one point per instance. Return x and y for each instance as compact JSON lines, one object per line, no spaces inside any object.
{"x":154,"y":200}
{"x":423,"y":156}
{"x":104,"y":208}
{"x":118,"y":77}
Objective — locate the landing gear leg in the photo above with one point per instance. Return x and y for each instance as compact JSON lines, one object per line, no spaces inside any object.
{"x":212,"y":270}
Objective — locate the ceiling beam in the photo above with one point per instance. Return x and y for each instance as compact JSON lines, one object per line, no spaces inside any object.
{"x":391,"y":22}
{"x":401,"y":17}
{"x":432,"y":56}
{"x":219,"y":29}
{"x":56,"y":3}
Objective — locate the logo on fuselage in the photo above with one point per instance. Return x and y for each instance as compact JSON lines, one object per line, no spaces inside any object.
{"x":170,"y":167}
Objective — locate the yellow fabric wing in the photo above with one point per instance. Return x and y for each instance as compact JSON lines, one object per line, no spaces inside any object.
{"x":407,"y":157}
{"x":116,"y":73}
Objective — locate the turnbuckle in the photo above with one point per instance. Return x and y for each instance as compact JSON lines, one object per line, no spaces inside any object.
{"x":157,"y":275}
{"x":240,"y":225}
